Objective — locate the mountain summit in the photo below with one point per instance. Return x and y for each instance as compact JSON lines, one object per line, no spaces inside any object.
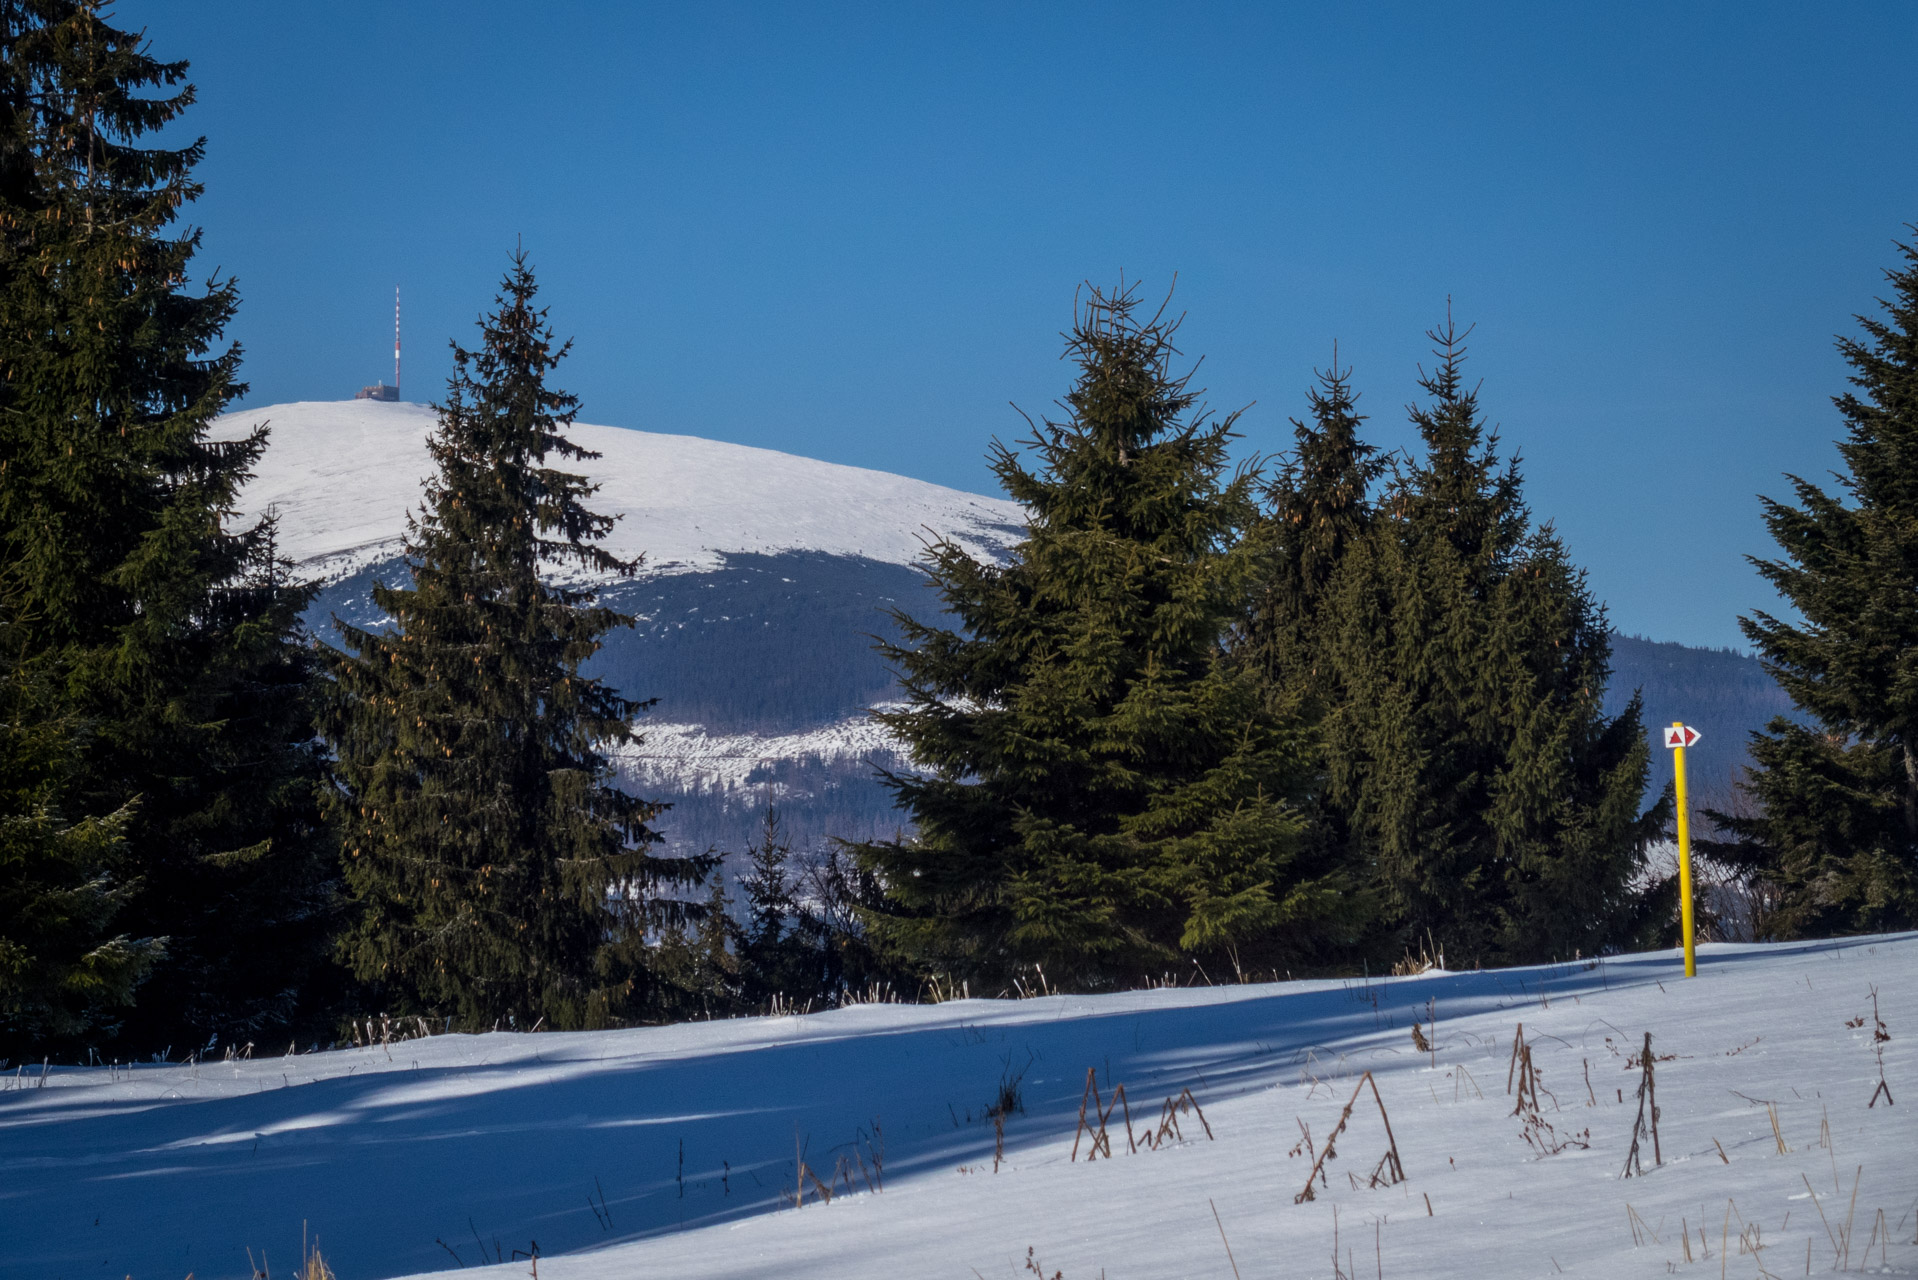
{"x":343,"y":475}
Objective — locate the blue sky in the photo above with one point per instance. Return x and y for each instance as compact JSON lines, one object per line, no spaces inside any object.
{"x":854,"y":231}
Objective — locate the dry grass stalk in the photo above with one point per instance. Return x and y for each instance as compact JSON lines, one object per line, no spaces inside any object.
{"x":313,"y":1266}
{"x":1880,"y":1236}
{"x":1833,"y":1239}
{"x":1032,"y":1265}
{"x":1228,"y":1244}
{"x":1777,"y":1134}
{"x":1095,"y":1129}
{"x":1169,"y":1121}
{"x":1460,"y":1078}
{"x":1387,"y":1172}
{"x":1879,"y":1035}
{"x":1420,"y":1040}
{"x":802,"y":1172}
{"x":1647,"y":1121}
{"x":1537,"y":1130}
{"x":1844,"y":1237}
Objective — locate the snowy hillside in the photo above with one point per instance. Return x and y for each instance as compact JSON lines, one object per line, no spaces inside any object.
{"x":768,"y":578}
{"x":667,"y":1151}
{"x":343,"y":476}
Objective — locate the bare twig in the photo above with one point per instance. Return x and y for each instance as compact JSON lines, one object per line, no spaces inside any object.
{"x":1389,"y":1171}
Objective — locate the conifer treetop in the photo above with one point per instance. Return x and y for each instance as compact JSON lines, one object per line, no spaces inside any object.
{"x":80,"y":80}
{"x":1321,"y":488}
{"x":1472,"y":497}
{"x":1850,"y":562}
{"x":499,"y":408}
{"x":1134,"y":440}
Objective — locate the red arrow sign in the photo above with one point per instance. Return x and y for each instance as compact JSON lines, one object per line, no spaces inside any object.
{"x":1680,"y":735}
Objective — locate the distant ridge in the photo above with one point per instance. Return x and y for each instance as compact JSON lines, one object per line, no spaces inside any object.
{"x":1725,"y":694}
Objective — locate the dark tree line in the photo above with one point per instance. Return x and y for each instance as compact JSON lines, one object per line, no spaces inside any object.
{"x":1202,"y":720}
{"x":162,"y":827}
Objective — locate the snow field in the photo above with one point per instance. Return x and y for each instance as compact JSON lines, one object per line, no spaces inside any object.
{"x":344,"y":475}
{"x":415,"y":1156}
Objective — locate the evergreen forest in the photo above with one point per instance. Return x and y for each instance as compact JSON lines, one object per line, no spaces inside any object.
{"x":1210,"y":719}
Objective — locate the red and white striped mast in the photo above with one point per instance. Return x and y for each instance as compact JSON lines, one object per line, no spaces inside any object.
{"x":396,"y":342}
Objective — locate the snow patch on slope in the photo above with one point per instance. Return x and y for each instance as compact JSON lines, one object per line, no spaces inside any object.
{"x":344,"y":475}
{"x":688,"y":757}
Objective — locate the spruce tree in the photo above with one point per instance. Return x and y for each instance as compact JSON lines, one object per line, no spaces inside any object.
{"x":169,"y":634}
{"x":66,"y":971}
{"x":1837,"y":824}
{"x":1317,"y":507}
{"x":1100,"y":794}
{"x":1466,"y":750}
{"x":775,"y":958}
{"x":497,"y":872}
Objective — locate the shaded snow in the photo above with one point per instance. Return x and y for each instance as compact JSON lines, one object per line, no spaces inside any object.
{"x":416,"y":1156}
{"x":343,"y":476}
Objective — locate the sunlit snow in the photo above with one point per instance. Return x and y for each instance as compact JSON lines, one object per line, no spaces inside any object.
{"x":669,"y":1151}
{"x":343,"y":476}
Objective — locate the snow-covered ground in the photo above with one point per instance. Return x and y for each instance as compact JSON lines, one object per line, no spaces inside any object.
{"x":343,"y":476}
{"x":665,"y":1152}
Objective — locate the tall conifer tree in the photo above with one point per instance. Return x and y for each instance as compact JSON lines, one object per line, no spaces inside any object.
{"x":169,"y":634}
{"x":497,"y":872}
{"x":66,"y":970}
{"x":1466,"y":750}
{"x":1837,"y":829}
{"x":1318,"y":506}
{"x":1102,"y":795}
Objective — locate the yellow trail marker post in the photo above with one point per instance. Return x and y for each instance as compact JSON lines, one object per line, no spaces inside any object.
{"x":1677,"y":738}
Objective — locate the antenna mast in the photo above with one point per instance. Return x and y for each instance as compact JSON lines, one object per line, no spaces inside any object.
{"x":396,"y":342}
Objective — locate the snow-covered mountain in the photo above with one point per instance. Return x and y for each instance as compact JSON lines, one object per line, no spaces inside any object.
{"x":344,"y":474}
{"x":767,"y":577}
